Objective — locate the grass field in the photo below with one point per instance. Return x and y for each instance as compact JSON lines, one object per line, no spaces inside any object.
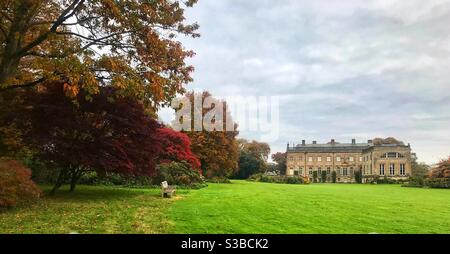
{"x":240,"y":207}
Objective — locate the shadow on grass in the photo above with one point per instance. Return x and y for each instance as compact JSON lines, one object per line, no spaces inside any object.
{"x":97,"y":193}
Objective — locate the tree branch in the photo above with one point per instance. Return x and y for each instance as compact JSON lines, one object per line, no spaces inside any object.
{"x":25,"y":85}
{"x":63,"y":17}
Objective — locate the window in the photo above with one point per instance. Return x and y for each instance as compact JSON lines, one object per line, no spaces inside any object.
{"x":328,"y":158}
{"x":296,"y":172}
{"x":338,"y":158}
{"x":392,"y":169}
{"x":360,"y":159}
{"x":402,"y":170}
{"x":310,"y":171}
{"x":392,"y":155}
{"x":344,"y":171}
{"x":319,"y":171}
{"x":291,"y":172}
{"x":310,"y":159}
{"x":300,"y":171}
{"x":328,"y":170}
{"x":319,"y":159}
{"x":351,"y":158}
{"x":381,"y":169}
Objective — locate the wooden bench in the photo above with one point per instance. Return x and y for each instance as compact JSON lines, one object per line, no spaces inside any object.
{"x":167,"y":190}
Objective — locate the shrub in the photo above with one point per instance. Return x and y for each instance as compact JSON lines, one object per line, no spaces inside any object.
{"x":16,"y":186}
{"x":217,"y":179}
{"x":175,"y":173}
{"x":91,"y":178}
{"x":358,"y":176}
{"x":437,"y":182}
{"x":315,"y":176}
{"x":323,"y":177}
{"x":417,"y":181}
{"x":278,"y":179}
{"x":333,"y":176}
{"x":178,"y":173}
{"x":41,"y":172}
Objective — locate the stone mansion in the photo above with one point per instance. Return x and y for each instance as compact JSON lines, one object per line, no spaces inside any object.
{"x":372,"y":159}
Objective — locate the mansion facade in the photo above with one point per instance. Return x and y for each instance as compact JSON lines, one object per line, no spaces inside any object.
{"x":372,"y":160}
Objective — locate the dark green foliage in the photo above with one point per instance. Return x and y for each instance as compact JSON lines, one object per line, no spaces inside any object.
{"x":323,"y":177}
{"x":315,"y":176}
{"x":280,"y":159}
{"x":175,"y":173}
{"x":178,"y":173}
{"x":415,"y":181}
{"x":358,"y":176}
{"x":333,"y":177}
{"x":217,"y":179}
{"x":419,"y":168}
{"x":437,"y":182}
{"x":248,"y":165}
{"x":277,"y":179}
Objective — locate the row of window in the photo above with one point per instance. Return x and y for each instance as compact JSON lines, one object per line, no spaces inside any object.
{"x":344,"y":171}
{"x":319,"y":159}
{"x":351,"y":158}
{"x":392,"y":169}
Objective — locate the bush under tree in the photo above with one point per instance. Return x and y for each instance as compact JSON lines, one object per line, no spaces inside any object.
{"x":16,"y":186}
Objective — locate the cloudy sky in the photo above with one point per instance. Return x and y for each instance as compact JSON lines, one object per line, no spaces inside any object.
{"x":342,"y":69}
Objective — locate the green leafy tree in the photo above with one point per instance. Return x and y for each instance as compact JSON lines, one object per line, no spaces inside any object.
{"x":315,"y":176}
{"x":323,"y":177}
{"x":280,"y":159}
{"x":333,"y":176}
{"x":358,"y":176}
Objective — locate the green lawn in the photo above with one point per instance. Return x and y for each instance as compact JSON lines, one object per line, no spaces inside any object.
{"x":240,"y":207}
{"x":92,"y":209}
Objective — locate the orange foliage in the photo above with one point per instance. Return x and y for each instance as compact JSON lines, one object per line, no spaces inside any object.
{"x":16,"y":186}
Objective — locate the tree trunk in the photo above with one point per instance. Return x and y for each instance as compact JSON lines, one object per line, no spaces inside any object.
{"x":13,"y":42}
{"x":76,"y":174}
{"x":59,"y":181}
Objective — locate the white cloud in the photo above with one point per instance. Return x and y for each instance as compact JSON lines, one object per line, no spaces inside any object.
{"x":341,"y":68}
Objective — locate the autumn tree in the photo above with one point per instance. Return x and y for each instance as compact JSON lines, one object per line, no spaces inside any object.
{"x":108,"y":133}
{"x":442,"y":170}
{"x":216,"y":149}
{"x":129,"y":45}
{"x":280,"y":159}
{"x":176,"y":147}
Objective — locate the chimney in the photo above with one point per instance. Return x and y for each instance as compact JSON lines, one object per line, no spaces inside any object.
{"x":333,"y":141}
{"x":303,"y":142}
{"x":314,"y":142}
{"x":369,"y":141}
{"x":353,"y":141}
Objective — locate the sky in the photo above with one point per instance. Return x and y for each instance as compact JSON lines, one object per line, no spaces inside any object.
{"x":341,"y":69}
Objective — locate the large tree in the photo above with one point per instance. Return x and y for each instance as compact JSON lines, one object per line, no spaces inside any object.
{"x":280,"y":159}
{"x":253,"y":157}
{"x":130,"y":45}
{"x":442,"y":170}
{"x":216,"y":149}
{"x":108,"y":133}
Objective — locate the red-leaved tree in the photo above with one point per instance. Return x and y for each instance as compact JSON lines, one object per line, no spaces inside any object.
{"x":107,"y":133}
{"x":176,"y":146}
